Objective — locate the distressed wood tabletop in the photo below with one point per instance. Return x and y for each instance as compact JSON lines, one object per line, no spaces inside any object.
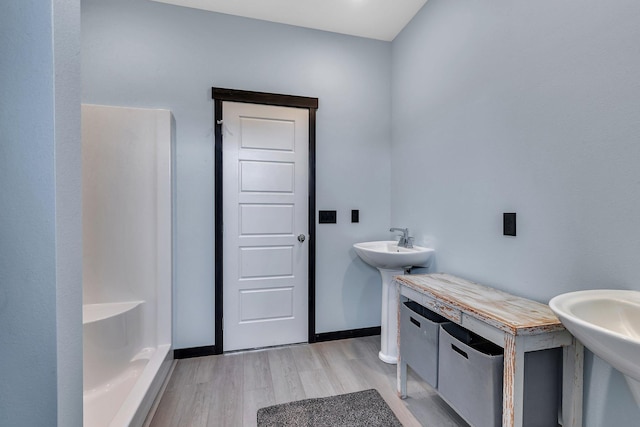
{"x":507,"y":312}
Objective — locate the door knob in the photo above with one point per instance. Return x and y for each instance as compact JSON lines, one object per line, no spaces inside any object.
{"x":301,"y":238}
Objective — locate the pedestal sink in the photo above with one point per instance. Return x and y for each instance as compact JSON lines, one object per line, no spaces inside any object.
{"x":391,"y":260}
{"x":607,"y":322}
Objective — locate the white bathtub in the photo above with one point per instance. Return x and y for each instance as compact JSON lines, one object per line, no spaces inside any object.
{"x":121,"y":376}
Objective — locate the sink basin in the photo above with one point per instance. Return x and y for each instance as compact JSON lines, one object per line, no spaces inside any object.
{"x":388,"y":255}
{"x":607,"y":322}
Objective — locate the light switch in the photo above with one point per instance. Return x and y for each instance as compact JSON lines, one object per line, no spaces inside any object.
{"x":509,"y":224}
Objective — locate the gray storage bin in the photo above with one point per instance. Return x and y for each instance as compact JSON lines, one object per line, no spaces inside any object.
{"x":419,"y":328}
{"x":470,"y":380}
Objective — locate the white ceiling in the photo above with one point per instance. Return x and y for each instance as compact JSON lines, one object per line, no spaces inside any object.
{"x":375,"y":19}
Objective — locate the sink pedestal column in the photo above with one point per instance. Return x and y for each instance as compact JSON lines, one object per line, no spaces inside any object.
{"x":389,"y":325}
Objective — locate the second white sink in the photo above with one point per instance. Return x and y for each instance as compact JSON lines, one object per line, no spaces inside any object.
{"x":607,"y":321}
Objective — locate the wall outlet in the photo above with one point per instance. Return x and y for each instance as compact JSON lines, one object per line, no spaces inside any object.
{"x":355,"y":215}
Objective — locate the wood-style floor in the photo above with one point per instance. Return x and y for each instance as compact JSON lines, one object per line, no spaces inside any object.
{"x":227,"y":390}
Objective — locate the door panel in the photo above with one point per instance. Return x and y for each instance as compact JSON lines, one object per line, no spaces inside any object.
{"x":266,"y":219}
{"x":267,"y":134}
{"x":266,"y":262}
{"x":265,"y":179}
{"x":266,"y":304}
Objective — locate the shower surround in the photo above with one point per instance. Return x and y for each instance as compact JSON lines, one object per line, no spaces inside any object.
{"x":127,"y":261}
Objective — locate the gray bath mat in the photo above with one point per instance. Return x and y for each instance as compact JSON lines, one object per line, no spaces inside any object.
{"x":359,"y":409}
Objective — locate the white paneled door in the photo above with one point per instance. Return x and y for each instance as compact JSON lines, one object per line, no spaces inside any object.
{"x":266,"y":249}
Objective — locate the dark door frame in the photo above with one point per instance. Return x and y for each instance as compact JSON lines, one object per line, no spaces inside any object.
{"x":219,"y":96}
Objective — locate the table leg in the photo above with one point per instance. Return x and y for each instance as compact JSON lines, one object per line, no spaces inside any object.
{"x":402,"y":379}
{"x":402,"y":366}
{"x":572,"y":382}
{"x":513,"y":385}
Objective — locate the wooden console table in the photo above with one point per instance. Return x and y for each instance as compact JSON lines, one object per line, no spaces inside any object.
{"x":516,"y":324}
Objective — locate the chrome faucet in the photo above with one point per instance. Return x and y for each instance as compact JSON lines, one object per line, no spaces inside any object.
{"x":405,"y":241}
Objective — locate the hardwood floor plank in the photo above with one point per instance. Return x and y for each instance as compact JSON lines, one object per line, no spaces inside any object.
{"x":316,"y":384}
{"x":287,"y":386}
{"x":331,"y":351}
{"x":356,"y":348}
{"x":197,"y":413}
{"x":165,"y":414}
{"x":255,"y":399}
{"x":184,"y":374}
{"x":226,"y":392}
{"x":175,"y":407}
{"x":205,"y":369}
{"x":344,"y":378}
{"x":258,"y":386}
{"x":416,"y":385}
{"x":257,"y":372}
{"x":431,"y":410}
{"x":306,"y":358}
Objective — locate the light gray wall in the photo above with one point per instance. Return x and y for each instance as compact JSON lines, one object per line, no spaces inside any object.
{"x":527,"y":107}
{"x":146,"y":54}
{"x":40,"y":229}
